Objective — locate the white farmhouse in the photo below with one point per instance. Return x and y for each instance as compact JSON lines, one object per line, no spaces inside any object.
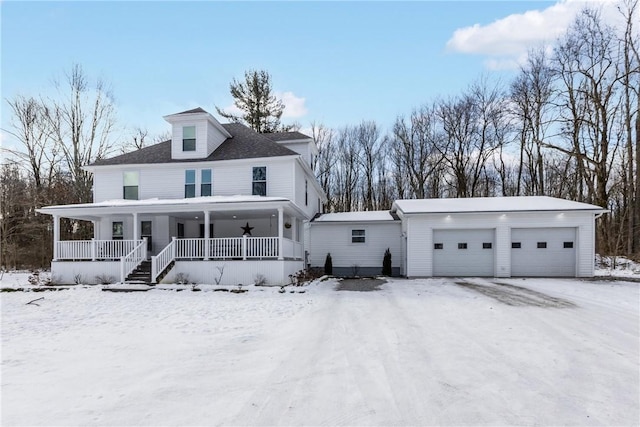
{"x":216,"y":202}
{"x":220,"y":203}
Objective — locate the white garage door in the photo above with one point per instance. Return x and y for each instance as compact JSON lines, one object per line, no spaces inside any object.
{"x":544,"y":252}
{"x":463,"y":252}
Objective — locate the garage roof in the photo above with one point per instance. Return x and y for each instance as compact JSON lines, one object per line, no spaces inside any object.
{"x":356,"y":216}
{"x":491,"y":204}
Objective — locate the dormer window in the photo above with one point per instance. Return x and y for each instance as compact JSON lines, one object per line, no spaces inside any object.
{"x":189,"y":138}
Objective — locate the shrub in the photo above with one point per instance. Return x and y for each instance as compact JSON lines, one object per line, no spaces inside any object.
{"x":104,"y":279}
{"x":386,"y":263}
{"x":182,"y":279}
{"x":260,"y":280}
{"x":328,"y":265}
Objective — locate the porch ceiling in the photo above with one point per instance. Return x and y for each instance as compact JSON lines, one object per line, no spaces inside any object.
{"x":219,"y":207}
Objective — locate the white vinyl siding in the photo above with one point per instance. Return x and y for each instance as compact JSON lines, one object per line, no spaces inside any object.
{"x":335,"y":238}
{"x":419,"y":231}
{"x":310,"y":208}
{"x":229,"y":178}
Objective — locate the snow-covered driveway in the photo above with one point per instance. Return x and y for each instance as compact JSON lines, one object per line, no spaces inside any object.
{"x":415,"y":352}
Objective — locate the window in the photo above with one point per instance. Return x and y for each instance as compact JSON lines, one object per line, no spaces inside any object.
{"x":189,"y":138}
{"x":205,"y":182}
{"x":462,"y":246}
{"x":568,"y":245}
{"x":357,"y":236}
{"x":542,"y":245}
{"x":189,"y":183}
{"x":130,"y":188}
{"x":117,"y":230}
{"x":487,"y":245}
{"x":259,"y":181}
{"x":145,"y":231}
{"x":438,"y":246}
{"x":306,"y":192}
{"x":516,"y":245}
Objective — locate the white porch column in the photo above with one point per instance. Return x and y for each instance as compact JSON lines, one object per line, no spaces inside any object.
{"x":294,"y":229}
{"x":56,"y":236}
{"x":206,"y":235}
{"x":136,"y":232}
{"x":280,"y":232}
{"x":96,"y":232}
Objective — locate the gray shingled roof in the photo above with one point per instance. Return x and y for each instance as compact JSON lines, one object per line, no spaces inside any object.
{"x":195,"y":110}
{"x":245,"y":144}
{"x":286,"y":136}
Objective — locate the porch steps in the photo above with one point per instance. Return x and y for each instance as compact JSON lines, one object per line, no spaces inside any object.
{"x":141,"y":275}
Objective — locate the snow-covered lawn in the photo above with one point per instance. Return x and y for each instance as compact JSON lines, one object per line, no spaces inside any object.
{"x":415,"y":352}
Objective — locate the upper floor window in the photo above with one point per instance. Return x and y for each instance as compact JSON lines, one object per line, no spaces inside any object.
{"x":130,"y":187}
{"x":189,"y":138}
{"x":259,"y":187}
{"x":189,"y":183}
{"x":205,"y":182}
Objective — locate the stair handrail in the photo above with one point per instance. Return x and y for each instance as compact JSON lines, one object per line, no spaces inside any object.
{"x":161,"y":261}
{"x":130,"y":261}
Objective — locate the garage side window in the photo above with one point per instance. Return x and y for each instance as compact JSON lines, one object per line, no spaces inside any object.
{"x":542,"y":245}
{"x":462,"y":246}
{"x":516,"y":245}
{"x":438,"y":246}
{"x":568,"y":245}
{"x":357,"y":236}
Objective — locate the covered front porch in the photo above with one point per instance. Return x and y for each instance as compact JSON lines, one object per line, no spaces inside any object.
{"x":170,"y":235}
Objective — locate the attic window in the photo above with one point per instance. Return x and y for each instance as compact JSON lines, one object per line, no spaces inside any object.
{"x":189,"y":138}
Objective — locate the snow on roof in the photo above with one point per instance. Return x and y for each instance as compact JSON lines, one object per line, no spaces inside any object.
{"x":492,"y":204}
{"x":356,"y":216}
{"x":164,"y":202}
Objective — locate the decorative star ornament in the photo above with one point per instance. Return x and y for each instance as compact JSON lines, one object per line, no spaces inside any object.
{"x":246,"y":230}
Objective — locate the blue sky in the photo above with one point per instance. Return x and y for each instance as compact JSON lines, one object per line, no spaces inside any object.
{"x":335,"y":62}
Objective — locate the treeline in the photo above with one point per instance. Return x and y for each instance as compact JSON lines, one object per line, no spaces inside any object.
{"x":566,"y":126}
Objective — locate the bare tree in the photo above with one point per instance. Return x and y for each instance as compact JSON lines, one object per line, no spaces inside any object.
{"x":32,"y":131}
{"x":417,"y":147}
{"x":81,"y":121}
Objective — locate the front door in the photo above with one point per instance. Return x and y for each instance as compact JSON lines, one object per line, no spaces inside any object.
{"x":145,"y":231}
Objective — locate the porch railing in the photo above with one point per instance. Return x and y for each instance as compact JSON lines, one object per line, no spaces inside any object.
{"x":94,"y":249}
{"x":228,"y":248}
{"x":162,"y":260}
{"x":130,"y":261}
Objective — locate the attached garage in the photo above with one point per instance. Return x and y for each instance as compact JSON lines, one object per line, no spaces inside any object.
{"x":461,"y":252}
{"x":498,"y":237}
{"x":548,"y":252}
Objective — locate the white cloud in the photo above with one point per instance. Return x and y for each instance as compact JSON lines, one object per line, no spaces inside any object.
{"x":294,"y":106}
{"x":507,"y":40}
